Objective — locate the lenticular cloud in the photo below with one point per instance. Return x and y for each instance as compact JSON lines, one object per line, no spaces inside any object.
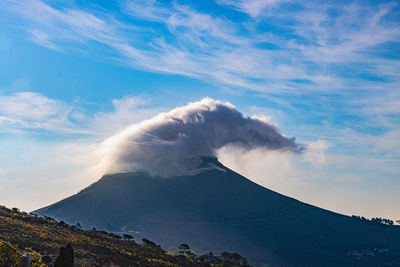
{"x":167,"y":144}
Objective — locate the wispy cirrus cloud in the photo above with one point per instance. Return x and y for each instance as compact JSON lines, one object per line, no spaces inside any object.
{"x":34,"y":113}
{"x":308,"y":48}
{"x":349,"y":36}
{"x":30,"y":110}
{"x":252,"y":7}
{"x":43,"y":39}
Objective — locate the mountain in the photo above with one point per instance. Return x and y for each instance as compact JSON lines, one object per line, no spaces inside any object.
{"x":218,"y":210}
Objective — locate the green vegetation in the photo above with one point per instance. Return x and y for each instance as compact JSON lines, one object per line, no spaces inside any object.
{"x":184,"y":249}
{"x":9,"y":255}
{"x":20,"y":233}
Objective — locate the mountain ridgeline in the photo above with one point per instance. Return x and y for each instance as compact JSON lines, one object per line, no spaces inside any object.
{"x":220,"y":210}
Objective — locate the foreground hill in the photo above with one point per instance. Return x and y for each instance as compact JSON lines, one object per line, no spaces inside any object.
{"x":218,"y":209}
{"x":42,"y":236}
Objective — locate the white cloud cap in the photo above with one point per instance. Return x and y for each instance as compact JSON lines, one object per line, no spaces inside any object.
{"x":167,"y":144}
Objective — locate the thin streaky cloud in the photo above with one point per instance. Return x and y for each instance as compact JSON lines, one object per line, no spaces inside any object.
{"x":251,"y":7}
{"x":35,"y":113}
{"x":201,"y":45}
{"x":324,"y":54}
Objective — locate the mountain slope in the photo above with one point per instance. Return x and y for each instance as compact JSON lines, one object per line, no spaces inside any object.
{"x":218,"y":210}
{"x":91,"y":248}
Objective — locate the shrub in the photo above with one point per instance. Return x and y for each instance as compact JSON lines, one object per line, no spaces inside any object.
{"x":149,"y":243}
{"x":128,"y":237}
{"x":16,"y":210}
{"x":9,"y":256}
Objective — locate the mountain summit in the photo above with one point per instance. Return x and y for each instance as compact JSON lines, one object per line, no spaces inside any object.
{"x":217,"y":209}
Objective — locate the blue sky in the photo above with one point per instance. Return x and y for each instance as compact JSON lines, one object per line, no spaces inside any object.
{"x":74,"y":73}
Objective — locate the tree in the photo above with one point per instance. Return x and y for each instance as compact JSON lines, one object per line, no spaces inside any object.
{"x":233,"y":259}
{"x":128,"y":237}
{"x":184,"y":248}
{"x":66,"y":257}
{"x":388,"y":221}
{"x":16,"y":210}
{"x":149,"y":243}
{"x":382,"y":221}
{"x":362,"y":218}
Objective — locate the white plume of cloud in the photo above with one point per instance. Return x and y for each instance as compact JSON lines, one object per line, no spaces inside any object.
{"x":315,"y":154}
{"x":170,"y":143}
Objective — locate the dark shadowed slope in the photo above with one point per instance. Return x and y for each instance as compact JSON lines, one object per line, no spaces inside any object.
{"x":42,"y":236}
{"x":218,"y":210}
